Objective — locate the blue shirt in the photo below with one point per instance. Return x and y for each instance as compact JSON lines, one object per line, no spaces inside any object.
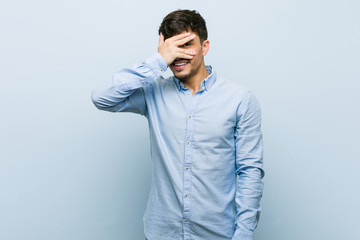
{"x":206,"y":150}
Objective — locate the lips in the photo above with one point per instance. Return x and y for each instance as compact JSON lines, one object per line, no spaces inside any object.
{"x":180,"y":64}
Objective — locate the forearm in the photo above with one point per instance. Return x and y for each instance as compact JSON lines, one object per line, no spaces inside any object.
{"x":248,"y":195}
{"x":126,"y":81}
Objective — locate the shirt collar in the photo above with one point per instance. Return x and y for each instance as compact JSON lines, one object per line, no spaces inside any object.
{"x":205,"y":84}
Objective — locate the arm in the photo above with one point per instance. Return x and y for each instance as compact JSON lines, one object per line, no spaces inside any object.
{"x":249,"y":151}
{"x":125,"y":93}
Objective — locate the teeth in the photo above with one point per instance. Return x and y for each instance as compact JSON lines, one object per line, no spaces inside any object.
{"x":179,"y":64}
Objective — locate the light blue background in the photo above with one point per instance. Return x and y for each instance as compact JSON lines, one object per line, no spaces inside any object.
{"x":71,"y":172}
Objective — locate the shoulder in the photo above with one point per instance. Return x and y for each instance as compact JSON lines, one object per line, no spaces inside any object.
{"x":166,"y":80}
{"x":240,"y":94}
{"x":232,"y":88}
{"x":163,"y":83}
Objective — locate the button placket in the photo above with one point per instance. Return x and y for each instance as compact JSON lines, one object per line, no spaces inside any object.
{"x":189,"y":131}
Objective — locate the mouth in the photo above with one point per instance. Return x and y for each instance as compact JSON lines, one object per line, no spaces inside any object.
{"x":179,"y":64}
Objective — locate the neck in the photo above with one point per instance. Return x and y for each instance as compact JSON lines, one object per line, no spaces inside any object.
{"x":194,"y":82}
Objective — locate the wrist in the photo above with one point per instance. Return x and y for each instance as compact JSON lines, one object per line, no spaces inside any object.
{"x":156,"y":63}
{"x":167,"y":60}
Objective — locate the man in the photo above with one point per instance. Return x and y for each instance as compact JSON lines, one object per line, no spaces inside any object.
{"x":206,"y":142}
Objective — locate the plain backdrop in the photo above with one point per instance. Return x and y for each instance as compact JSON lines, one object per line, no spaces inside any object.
{"x":71,"y":172}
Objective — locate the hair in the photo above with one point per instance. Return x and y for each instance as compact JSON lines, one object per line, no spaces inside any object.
{"x":179,"y":21}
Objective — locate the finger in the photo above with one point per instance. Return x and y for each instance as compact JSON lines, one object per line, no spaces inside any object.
{"x":184,"y":56}
{"x":180,"y":36}
{"x":161,"y":39}
{"x":187,"y":52}
{"x":185,"y":40}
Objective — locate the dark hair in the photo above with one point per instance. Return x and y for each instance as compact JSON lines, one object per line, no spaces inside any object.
{"x":179,"y":21}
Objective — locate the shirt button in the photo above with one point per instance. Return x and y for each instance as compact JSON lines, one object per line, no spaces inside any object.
{"x":188,"y":93}
{"x":185,"y":220}
{"x":187,"y":142}
{"x":186,"y":168}
{"x":186,"y":195}
{"x":190,"y":116}
{"x":143,"y":83}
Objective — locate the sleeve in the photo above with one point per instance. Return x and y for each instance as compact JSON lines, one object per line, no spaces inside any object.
{"x":249,"y":167}
{"x":124,"y":92}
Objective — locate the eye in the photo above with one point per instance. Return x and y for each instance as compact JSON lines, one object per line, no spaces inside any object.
{"x":186,"y":44}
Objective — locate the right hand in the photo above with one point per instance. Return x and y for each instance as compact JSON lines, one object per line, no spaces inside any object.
{"x":170,"y":49}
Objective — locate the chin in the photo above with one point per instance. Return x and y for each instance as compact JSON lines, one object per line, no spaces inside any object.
{"x":181,"y":75}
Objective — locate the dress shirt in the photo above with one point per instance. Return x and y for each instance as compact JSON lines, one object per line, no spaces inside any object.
{"x":206,"y":150}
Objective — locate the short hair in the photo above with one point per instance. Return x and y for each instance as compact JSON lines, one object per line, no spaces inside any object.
{"x":179,"y":21}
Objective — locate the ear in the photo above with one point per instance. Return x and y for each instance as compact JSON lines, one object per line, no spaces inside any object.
{"x":205,"y":47}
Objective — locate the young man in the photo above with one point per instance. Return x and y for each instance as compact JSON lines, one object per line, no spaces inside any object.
{"x":205,"y":136}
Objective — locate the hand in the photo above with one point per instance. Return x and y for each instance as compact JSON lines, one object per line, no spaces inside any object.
{"x":170,"y":49}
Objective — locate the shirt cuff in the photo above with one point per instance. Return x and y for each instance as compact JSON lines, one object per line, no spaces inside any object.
{"x":157,"y":64}
{"x":241,"y":235}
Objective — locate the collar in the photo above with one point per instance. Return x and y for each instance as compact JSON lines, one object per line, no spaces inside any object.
{"x":206,"y":84}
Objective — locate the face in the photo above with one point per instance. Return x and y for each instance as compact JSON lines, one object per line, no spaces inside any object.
{"x":185,"y":69}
